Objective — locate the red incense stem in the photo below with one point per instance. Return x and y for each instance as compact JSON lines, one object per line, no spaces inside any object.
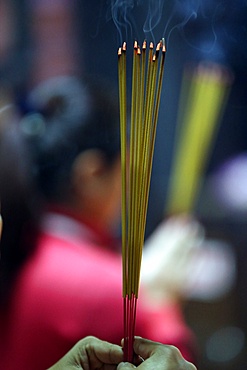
{"x":130,"y":304}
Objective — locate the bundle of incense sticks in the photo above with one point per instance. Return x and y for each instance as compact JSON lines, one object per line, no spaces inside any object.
{"x":203,"y":98}
{"x":146,"y":77}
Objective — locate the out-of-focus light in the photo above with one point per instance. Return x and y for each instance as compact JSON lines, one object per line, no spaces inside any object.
{"x":229,"y":184}
{"x":225,"y":344}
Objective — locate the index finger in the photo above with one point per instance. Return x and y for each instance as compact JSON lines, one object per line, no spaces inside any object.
{"x":147,"y":348}
{"x":160,"y":355}
{"x":101,"y":351}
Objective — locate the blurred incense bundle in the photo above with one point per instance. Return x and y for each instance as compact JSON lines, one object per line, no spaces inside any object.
{"x":147,"y":77}
{"x":203,"y":98}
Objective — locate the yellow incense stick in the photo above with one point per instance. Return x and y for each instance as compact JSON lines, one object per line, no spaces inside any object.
{"x":207,"y":92}
{"x":123,"y":135}
{"x":147,"y":76}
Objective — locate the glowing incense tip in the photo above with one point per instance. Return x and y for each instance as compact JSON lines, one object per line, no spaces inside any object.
{"x":139,"y":50}
{"x":158,"y":47}
{"x":124,"y":46}
{"x":119,"y":52}
{"x":163,"y":45}
{"x":144,"y":45}
{"x":135,"y":45}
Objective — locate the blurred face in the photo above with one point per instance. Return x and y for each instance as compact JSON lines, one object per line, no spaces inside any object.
{"x":112,"y":195}
{"x":97,"y":189}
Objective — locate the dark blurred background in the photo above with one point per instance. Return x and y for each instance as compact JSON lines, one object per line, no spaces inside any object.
{"x":40,"y":39}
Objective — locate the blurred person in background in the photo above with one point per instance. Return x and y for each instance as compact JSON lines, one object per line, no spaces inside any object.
{"x":91,"y":352}
{"x":61,"y":262}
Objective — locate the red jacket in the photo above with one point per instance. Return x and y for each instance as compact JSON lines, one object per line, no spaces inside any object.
{"x":71,"y":287}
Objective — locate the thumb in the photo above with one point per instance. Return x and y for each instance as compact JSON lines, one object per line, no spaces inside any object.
{"x":126,"y":366}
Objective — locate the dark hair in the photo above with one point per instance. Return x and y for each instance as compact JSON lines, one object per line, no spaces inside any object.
{"x":19,"y":207}
{"x":67,"y":117}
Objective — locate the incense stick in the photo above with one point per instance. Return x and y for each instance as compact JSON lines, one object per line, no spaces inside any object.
{"x":203,"y":98}
{"x":147,"y":78}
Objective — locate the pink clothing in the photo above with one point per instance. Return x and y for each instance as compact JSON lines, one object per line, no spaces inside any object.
{"x":70,"y":288}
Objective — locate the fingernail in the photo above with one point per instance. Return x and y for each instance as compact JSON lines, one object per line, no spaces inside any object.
{"x":125,"y":364}
{"x":121,"y":365}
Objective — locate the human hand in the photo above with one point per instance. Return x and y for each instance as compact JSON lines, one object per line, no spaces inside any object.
{"x":166,"y":257}
{"x":91,"y":353}
{"x":157,"y":356}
